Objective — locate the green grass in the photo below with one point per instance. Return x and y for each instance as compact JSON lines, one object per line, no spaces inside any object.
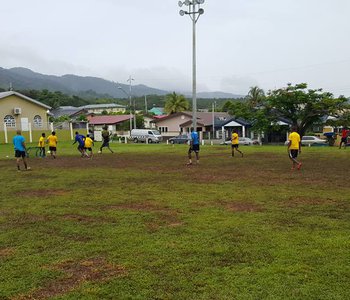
{"x":138,"y":224}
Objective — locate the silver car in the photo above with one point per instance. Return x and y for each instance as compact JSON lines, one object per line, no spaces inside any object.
{"x":309,"y":140}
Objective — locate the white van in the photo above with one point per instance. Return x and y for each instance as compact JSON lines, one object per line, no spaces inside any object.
{"x":146,"y":135}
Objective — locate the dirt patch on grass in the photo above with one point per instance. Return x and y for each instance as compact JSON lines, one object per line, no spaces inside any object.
{"x":243,"y":207}
{"x":6,"y":252}
{"x":86,"y":219}
{"x":43,"y":193}
{"x":162,"y":215}
{"x":75,"y":274}
{"x":301,"y":201}
{"x":28,"y":219}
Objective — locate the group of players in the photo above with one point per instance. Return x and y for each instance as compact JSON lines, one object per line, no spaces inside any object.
{"x":85,"y":144}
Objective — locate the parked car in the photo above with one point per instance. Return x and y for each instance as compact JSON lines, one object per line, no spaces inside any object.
{"x":180,"y":139}
{"x":146,"y":135}
{"x":242,"y":141}
{"x":309,"y":140}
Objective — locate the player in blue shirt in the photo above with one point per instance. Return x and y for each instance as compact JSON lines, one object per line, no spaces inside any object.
{"x":20,"y":150}
{"x":194,"y":147}
{"x":80,"y":139}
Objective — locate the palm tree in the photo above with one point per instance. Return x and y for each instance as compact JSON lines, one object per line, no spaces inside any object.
{"x":175,"y":103}
{"x":255,"y":96}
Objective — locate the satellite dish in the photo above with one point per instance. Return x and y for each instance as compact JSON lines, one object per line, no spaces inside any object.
{"x":180,"y":3}
{"x":201,"y":11}
{"x":182,"y":12}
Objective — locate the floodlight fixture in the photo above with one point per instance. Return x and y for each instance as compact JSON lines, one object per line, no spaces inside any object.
{"x":194,"y":11}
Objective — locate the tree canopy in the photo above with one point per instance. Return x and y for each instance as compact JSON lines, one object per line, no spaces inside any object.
{"x":175,"y":103}
{"x":301,"y":106}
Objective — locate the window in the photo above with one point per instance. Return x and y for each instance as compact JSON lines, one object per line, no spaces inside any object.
{"x":163,"y":129}
{"x":10,"y":121}
{"x":38,"y":122}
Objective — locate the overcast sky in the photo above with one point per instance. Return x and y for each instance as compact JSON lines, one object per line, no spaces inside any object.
{"x":240,"y":43}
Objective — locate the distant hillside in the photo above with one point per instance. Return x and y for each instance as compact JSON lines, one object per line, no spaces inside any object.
{"x":85,"y":87}
{"x":24,"y":79}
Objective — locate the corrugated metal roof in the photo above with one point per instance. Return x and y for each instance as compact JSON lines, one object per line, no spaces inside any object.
{"x":10,"y":93}
{"x":107,"y":105}
{"x":108,"y":120}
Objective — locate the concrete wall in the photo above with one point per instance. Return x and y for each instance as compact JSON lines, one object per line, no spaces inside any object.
{"x":28,"y":110}
{"x":173,"y":125}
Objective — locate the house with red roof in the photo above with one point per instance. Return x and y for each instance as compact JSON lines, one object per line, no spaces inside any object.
{"x":175,"y":124}
{"x":113,"y":122}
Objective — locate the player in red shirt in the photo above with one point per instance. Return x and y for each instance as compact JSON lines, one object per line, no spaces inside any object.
{"x":344,"y":137}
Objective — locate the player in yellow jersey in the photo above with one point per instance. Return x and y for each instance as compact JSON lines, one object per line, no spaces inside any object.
{"x":88,"y":143}
{"x":294,"y":148}
{"x":235,"y":143}
{"x":41,"y":145}
{"x":52,"y":141}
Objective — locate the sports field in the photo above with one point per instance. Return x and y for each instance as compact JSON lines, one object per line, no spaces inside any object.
{"x":139,"y":224}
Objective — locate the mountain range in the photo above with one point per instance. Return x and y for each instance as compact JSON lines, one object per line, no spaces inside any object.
{"x":85,"y":86}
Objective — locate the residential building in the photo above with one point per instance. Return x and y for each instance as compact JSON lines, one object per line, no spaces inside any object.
{"x":158,"y":111}
{"x":178,"y":123}
{"x":18,"y":111}
{"x":113,"y":123}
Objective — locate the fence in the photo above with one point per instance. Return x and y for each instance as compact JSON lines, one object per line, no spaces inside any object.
{"x":64,"y":131}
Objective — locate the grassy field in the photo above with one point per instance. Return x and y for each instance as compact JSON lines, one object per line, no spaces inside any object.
{"x":139,"y":224}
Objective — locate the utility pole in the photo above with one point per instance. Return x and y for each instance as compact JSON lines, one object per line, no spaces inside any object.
{"x":130,"y":81}
{"x":146,"y":110}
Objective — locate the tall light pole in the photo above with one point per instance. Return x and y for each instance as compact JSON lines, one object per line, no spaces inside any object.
{"x":213,"y":115}
{"x":194,"y":11}
{"x":129,"y":96}
{"x":130,"y":81}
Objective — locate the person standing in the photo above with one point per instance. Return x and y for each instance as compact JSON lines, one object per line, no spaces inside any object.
{"x":52,"y":141}
{"x":20,"y":150}
{"x":194,"y":147}
{"x":294,"y":148}
{"x":344,"y":137}
{"x":42,"y":145}
{"x":235,"y":143}
{"x":106,"y":137}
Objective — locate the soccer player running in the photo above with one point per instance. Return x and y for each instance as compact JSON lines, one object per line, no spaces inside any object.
{"x":88,"y":145}
{"x":344,"y":137}
{"x":194,"y":147}
{"x":235,"y":143}
{"x":52,"y":141}
{"x":294,"y":148}
{"x":106,"y":136}
{"x":42,"y":145}
{"x":80,"y":139}
{"x":20,"y":150}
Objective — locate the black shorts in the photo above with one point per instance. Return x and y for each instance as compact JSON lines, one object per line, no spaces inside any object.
{"x":234,"y":146}
{"x":52,"y":149}
{"x":293,"y":153}
{"x":105,"y":143}
{"x":194,"y":148}
{"x":90,"y":149}
{"x":20,"y":153}
{"x":344,"y":140}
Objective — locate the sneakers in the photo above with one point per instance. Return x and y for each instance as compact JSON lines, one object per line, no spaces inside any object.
{"x":189,"y":164}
